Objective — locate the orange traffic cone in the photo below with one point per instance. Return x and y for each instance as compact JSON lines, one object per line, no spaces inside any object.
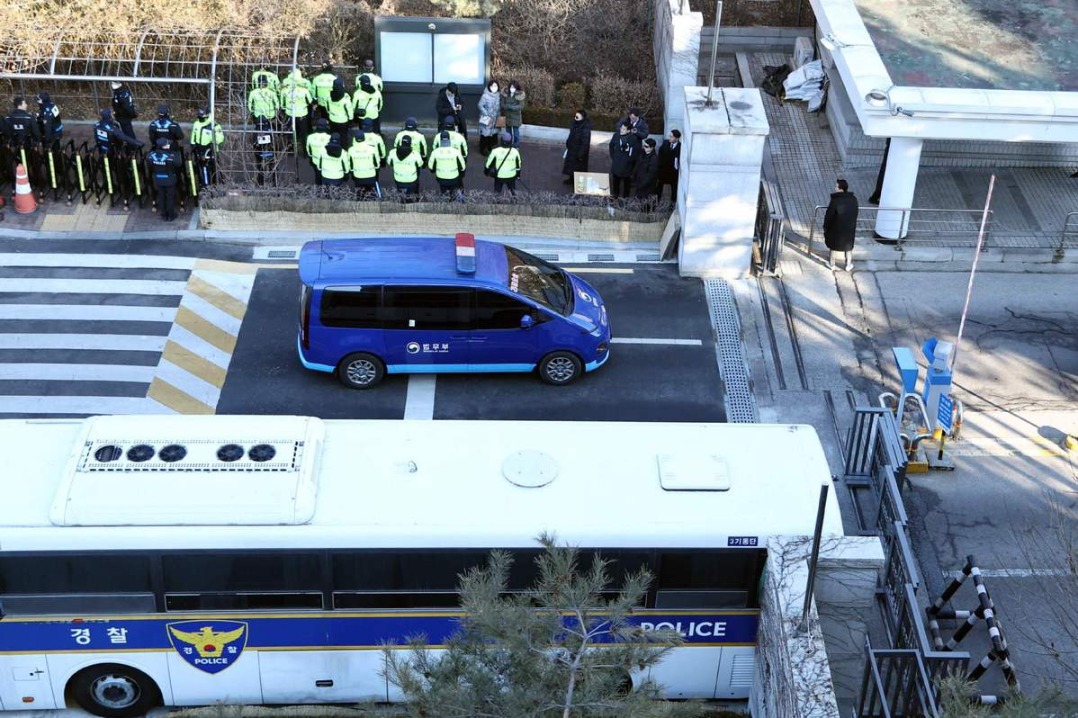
{"x":24,"y":196}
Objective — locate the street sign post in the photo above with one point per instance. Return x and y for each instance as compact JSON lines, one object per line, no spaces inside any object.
{"x":945,"y":414}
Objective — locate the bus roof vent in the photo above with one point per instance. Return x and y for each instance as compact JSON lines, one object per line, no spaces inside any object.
{"x":686,"y":471}
{"x":529,"y":469}
{"x":166,"y":470}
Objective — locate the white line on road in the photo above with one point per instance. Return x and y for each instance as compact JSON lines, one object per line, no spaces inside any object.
{"x":1023,"y":572}
{"x":77,"y":372}
{"x":420,"y":401}
{"x":157,"y":287}
{"x":115,"y":342}
{"x":89,"y":312}
{"x":666,"y":342}
{"x":88,"y":405}
{"x":106,"y":261}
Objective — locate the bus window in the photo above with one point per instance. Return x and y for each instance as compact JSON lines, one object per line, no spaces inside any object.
{"x":233,"y":573}
{"x":709,"y":579}
{"x":74,"y":573}
{"x":497,"y":311}
{"x":351,"y":307}
{"x":263,"y":601}
{"x":445,"y":308}
{"x":387,"y":600}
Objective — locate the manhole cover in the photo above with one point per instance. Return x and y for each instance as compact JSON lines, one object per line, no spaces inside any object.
{"x":530,"y":469}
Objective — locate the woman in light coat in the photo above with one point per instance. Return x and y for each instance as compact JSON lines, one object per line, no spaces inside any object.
{"x":490,"y":107}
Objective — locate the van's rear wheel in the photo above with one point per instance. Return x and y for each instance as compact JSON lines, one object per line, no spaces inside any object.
{"x":560,"y":368}
{"x":361,"y":370}
{"x":115,"y":691}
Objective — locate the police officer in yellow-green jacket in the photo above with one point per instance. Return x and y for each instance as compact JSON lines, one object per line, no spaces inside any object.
{"x":405,"y":161}
{"x":322,"y":85}
{"x":368,"y":100}
{"x":449,"y":124}
{"x":375,"y":140}
{"x":419,"y":142}
{"x":272,"y":81}
{"x":339,"y":108}
{"x":503,"y":164}
{"x":334,"y":163}
{"x":262,"y":102}
{"x":296,"y":100}
{"x":447,"y":164}
{"x":365,"y":163}
{"x":316,"y":145}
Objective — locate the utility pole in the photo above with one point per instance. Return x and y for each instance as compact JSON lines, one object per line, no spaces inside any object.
{"x":714,"y":52}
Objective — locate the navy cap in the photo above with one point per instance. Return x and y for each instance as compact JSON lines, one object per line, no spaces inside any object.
{"x":106,"y":114}
{"x":409,"y":123}
{"x":162,"y":142}
{"x":449,"y":121}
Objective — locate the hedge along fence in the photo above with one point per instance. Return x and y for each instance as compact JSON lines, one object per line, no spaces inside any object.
{"x":314,"y":209}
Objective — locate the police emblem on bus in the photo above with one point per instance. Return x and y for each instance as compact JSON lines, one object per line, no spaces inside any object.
{"x":209,"y":646}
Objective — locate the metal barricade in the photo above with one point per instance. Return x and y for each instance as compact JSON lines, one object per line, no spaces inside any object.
{"x":896,"y":684}
{"x":1069,"y":237}
{"x":770,"y":232}
{"x":922,"y":224}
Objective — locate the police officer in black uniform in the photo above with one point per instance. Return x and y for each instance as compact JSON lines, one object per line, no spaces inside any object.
{"x":109,"y":136}
{"x":123,"y":107}
{"x":23,"y":135}
{"x":165,"y":126}
{"x":262,"y":143}
{"x":50,"y":121}
{"x":165,"y":165}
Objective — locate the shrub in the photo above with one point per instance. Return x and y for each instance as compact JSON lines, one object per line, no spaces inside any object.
{"x":613,"y":95}
{"x":469,"y":8}
{"x":538,"y":84}
{"x":572,"y":96}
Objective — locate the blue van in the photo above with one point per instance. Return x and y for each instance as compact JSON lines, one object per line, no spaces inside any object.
{"x":371,"y":307}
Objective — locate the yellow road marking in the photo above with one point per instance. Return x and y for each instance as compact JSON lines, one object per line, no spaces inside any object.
{"x":192,"y":363}
{"x":220,"y":265}
{"x":217,"y":297}
{"x":205,"y":330}
{"x":164,"y":393}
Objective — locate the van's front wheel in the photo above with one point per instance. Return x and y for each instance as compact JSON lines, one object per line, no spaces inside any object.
{"x":560,"y":368}
{"x":361,"y":370}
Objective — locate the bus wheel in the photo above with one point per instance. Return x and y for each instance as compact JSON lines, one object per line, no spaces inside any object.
{"x":115,"y":691}
{"x":360,"y":370}
{"x":560,"y":368}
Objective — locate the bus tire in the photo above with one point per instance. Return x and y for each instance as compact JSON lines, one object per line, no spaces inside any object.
{"x":112,"y":690}
{"x":361,"y":370}
{"x":560,"y":368}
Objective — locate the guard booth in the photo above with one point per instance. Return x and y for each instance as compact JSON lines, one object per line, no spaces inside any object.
{"x":418,"y":56}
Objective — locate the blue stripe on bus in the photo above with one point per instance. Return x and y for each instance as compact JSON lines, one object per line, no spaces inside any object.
{"x":456,"y":368}
{"x":320,"y":630}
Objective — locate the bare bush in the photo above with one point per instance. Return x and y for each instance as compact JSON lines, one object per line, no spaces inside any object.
{"x":470,"y":8}
{"x":572,"y":96}
{"x":614,"y":95}
{"x":345,"y":33}
{"x":538,"y":84}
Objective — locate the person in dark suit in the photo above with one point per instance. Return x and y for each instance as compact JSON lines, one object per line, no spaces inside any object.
{"x":840,"y":223}
{"x":624,"y":151}
{"x":646,"y":171}
{"x":449,"y":105}
{"x":577,"y":146}
{"x":669,"y":165}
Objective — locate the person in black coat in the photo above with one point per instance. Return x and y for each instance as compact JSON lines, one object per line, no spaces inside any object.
{"x":577,"y":146}
{"x":669,"y":165}
{"x":449,"y":105}
{"x":637,"y":124}
{"x":624,"y":151}
{"x":646,"y":171}
{"x":165,"y":165}
{"x":840,"y":223}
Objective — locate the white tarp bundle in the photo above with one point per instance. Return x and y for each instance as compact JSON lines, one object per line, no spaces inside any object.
{"x":806,"y":83}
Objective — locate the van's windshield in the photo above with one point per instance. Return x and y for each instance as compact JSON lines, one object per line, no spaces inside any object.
{"x":539,"y":281}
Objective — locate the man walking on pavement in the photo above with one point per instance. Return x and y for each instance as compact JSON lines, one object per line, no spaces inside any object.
{"x":447,"y":165}
{"x":123,"y":108}
{"x":165,"y":165}
{"x":840,"y":224}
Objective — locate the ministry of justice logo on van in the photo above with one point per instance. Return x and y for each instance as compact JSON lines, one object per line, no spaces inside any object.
{"x":209,"y":646}
{"x":412,"y":347}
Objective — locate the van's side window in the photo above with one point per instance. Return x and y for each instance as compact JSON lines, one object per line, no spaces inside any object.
{"x":497,"y":311}
{"x":351,"y":307}
{"x":426,"y":308}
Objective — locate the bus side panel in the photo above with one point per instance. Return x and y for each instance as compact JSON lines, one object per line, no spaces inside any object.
{"x":688,"y":672}
{"x":294,"y":676}
{"x":24,"y":683}
{"x":64,"y":666}
{"x":239,"y":683}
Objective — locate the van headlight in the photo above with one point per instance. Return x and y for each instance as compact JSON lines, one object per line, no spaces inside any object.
{"x":601,"y":349}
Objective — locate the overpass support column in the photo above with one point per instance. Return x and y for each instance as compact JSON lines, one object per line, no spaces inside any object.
{"x":899,"y":183}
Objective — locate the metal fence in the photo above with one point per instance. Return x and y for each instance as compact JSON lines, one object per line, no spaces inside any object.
{"x":770,"y":232}
{"x":1068,"y":239}
{"x":899,"y":680}
{"x":956,"y":226}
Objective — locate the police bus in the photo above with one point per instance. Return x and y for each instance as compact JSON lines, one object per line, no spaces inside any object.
{"x":192,"y":560}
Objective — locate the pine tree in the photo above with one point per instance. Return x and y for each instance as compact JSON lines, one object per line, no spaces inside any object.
{"x":564,"y":648}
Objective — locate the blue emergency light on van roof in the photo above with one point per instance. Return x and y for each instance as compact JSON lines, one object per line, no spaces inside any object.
{"x":466,"y":253}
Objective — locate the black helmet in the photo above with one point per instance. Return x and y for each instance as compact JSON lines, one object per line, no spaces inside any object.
{"x":449,"y":121}
{"x":358,"y":135}
{"x":322,"y":123}
{"x":406,"y":140}
{"x":162,"y":110}
{"x":202,"y":113}
{"x":106,"y":114}
{"x":409,"y":123}
{"x":43,"y":98}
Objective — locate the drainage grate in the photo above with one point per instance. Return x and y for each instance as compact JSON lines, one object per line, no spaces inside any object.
{"x":649,"y":257}
{"x":740,"y":403}
{"x":282,"y":254}
{"x":546,"y":256}
{"x":600,"y":257}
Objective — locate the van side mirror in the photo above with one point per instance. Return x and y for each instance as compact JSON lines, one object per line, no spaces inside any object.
{"x":526,"y":322}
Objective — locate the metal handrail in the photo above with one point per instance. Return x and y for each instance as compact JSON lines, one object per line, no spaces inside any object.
{"x":1070,"y":229}
{"x":917,"y":221}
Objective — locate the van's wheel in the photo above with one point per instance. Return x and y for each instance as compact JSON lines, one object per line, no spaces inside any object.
{"x":560,"y":368}
{"x":115,"y":691}
{"x":361,"y":370}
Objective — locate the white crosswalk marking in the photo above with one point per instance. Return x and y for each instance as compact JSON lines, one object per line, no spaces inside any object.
{"x":70,"y":345}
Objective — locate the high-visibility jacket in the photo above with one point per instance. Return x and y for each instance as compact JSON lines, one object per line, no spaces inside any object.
{"x":369,"y":102}
{"x":406,"y":171}
{"x":455,"y":139}
{"x":506,"y":160}
{"x":323,"y":85}
{"x":296,"y":79}
{"x":207,"y":132}
{"x":365,"y":160}
{"x":446,"y":163}
{"x":296,"y":98}
{"x":263,"y":104}
{"x":316,"y":145}
{"x":375,"y":140}
{"x":419,"y":142}
{"x":340,"y":111}
{"x":272,"y":81}
{"x":376,"y":81}
{"x":333,"y":167}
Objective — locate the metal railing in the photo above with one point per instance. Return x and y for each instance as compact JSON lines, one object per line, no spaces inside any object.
{"x":896,"y":684}
{"x":770,"y":233}
{"x":921,"y":224}
{"x":1069,"y":236}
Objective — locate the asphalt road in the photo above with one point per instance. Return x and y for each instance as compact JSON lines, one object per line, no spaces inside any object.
{"x":672,"y":377}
